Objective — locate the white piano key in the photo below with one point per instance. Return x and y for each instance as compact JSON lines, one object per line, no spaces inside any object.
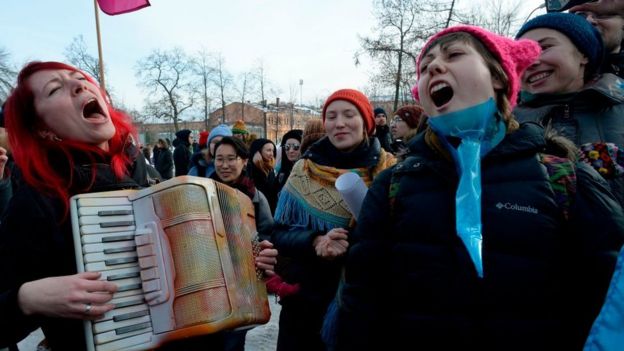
{"x":100,"y":247}
{"x":117,"y":274}
{"x":103,"y":201}
{"x":90,"y":211}
{"x":128,"y":293}
{"x":125,"y":299}
{"x":125,"y":343}
{"x":97,"y":238}
{"x":124,"y":312}
{"x":106,"y":326}
{"x":100,"y":256}
{"x":113,"y":336}
{"x":101,"y":266}
{"x":96,"y":229}
{"x":84,"y":220}
{"x":128,"y":284}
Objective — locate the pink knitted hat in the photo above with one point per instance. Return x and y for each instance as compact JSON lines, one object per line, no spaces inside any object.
{"x":515,"y":56}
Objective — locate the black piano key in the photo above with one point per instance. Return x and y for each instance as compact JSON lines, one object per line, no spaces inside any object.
{"x":114,"y":213}
{"x":117,"y":224}
{"x":123,"y":276}
{"x":129,"y":287}
{"x":116,"y":261}
{"x":126,"y":316}
{"x":131,"y":328}
{"x":130,"y":303}
{"x":110,"y":239}
{"x":120,"y":249}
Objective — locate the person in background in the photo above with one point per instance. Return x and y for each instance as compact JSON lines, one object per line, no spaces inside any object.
{"x":601,"y":7}
{"x":200,"y":154}
{"x":469,"y":243}
{"x":261,"y":169}
{"x":231,"y":156}
{"x":67,"y":139}
{"x":147,"y":153}
{"x":611,"y":28}
{"x":290,"y":148}
{"x":312,"y":221}
{"x":182,"y":152}
{"x":163,"y":159}
{"x":404,"y":127}
{"x":563,"y":91}
{"x":382,"y":131}
{"x":313,"y":130}
{"x":204,"y":165}
{"x":239,"y":130}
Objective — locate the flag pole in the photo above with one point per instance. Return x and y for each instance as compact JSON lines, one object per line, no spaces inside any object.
{"x":99,"y":42}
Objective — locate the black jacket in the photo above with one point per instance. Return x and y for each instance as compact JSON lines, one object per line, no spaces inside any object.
{"x":409,"y":279}
{"x":593,"y":115}
{"x":163,"y":162}
{"x":385,"y":138}
{"x":36,"y":242}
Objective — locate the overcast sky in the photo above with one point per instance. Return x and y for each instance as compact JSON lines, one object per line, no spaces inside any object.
{"x":312,"y":40}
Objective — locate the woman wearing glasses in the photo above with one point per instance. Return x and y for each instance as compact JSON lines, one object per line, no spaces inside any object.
{"x":291,"y":151}
{"x":404,"y":127}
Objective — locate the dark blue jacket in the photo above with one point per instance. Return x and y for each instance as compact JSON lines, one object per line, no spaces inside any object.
{"x":409,"y":279}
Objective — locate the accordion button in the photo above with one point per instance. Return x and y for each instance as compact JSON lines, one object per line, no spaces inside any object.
{"x":151,"y":285}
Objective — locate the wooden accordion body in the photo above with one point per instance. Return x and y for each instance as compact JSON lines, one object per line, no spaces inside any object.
{"x":182,"y":255}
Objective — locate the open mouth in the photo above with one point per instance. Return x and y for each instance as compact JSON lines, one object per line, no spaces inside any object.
{"x":441,"y":93}
{"x":92,"y":109}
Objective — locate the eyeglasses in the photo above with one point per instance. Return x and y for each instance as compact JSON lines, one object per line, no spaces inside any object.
{"x":295,"y":147}
{"x":229,"y":160}
{"x":397,"y":120}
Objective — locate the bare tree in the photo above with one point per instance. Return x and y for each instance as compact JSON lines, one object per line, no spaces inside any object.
{"x":222,"y":80}
{"x":261,"y":79}
{"x":401,"y":26}
{"x":243,"y":87}
{"x":7,"y":75}
{"x":167,"y":77}
{"x":77,"y":54}
{"x":499,"y":16}
{"x":206,"y":73}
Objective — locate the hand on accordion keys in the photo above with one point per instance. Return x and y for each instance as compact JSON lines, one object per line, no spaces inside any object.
{"x":265,"y":256}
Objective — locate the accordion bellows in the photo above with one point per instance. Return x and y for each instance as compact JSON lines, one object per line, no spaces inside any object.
{"x":182,"y":255}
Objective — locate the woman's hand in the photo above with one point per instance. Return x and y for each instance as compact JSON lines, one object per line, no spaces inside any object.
{"x":602,"y":7}
{"x":80,"y":296}
{"x":333,"y":244}
{"x":267,"y":258}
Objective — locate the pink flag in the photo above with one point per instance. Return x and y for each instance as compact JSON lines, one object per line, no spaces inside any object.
{"x":117,"y":7}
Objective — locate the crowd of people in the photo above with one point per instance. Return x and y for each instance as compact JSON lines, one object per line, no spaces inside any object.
{"x":493,"y":217}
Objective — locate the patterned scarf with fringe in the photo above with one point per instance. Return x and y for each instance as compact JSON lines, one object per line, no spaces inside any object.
{"x":310,"y":199}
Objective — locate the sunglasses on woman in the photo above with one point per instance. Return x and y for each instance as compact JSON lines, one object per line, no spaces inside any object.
{"x":295,"y":147}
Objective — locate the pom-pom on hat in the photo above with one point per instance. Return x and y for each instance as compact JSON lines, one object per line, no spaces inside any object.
{"x":411,"y":114}
{"x":222,"y":130}
{"x":239,"y":128}
{"x":515,"y":56}
{"x":203,"y":139}
{"x":361,"y":103}
{"x":580,"y":32}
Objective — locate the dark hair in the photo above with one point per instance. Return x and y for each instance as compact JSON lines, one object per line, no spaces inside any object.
{"x":239,"y":146}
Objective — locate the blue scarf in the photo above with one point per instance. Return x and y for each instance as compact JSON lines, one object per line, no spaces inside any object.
{"x":480,"y":129}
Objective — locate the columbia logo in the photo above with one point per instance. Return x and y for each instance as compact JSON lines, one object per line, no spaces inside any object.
{"x":516,"y":207}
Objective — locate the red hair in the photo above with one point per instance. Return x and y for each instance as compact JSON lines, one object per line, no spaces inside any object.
{"x":31,"y":152}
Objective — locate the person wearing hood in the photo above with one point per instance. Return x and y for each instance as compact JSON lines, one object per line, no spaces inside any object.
{"x":313,"y":222}
{"x":564,"y":91}
{"x":382,"y":130}
{"x":203,"y":161}
{"x":261,"y":169}
{"x":182,"y":152}
{"x":290,"y":149}
{"x":480,"y":238}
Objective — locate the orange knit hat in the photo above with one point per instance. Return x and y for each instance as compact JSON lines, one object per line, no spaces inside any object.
{"x":361,"y":103}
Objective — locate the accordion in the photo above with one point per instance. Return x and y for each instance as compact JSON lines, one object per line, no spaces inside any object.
{"x":182,"y":255}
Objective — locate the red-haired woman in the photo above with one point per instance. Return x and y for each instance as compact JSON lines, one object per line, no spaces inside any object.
{"x":66,"y":139}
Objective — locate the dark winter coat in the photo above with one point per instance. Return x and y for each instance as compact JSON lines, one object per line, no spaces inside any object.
{"x":592,"y":115}
{"x":267,"y":184}
{"x":36,"y":242}
{"x":182,"y":153}
{"x":163,"y":162}
{"x":385,"y":138}
{"x":409,"y":279}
